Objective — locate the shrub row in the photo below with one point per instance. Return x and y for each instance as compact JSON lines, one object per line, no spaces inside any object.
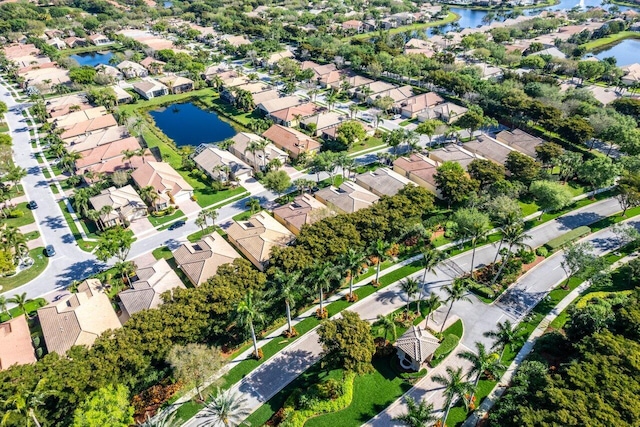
{"x":567,"y":238}
{"x":447,"y":345}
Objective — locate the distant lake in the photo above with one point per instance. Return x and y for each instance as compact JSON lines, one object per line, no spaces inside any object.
{"x":188,"y":124}
{"x":168,"y":4}
{"x":626,"y":52}
{"x":92,"y":58}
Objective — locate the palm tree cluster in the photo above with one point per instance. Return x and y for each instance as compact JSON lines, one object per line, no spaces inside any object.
{"x":14,"y":242}
{"x":204,"y":216}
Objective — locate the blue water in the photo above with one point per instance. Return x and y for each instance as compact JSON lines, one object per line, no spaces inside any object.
{"x":188,"y":124}
{"x":92,"y":58}
{"x":626,"y":52}
{"x":167,"y":4}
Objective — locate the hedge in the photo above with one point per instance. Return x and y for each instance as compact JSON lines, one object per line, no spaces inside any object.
{"x":483,"y":291}
{"x":446,"y":346}
{"x":569,"y":237}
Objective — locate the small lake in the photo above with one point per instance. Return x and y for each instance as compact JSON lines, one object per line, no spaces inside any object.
{"x":167,"y":4}
{"x":626,"y":52}
{"x":188,"y":124}
{"x":92,"y":58}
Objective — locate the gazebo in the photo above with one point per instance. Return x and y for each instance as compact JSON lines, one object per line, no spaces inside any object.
{"x":416,"y":347}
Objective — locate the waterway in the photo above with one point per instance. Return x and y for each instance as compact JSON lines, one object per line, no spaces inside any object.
{"x":92,"y":58}
{"x":626,"y":52}
{"x":188,"y":124}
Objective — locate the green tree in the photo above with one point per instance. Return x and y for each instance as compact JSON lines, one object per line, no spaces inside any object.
{"x":599,"y":172}
{"x":21,"y":301}
{"x":322,"y":276}
{"x":83,"y":75}
{"x":277,"y":181}
{"x":485,"y":172}
{"x":347,"y":342}
{"x":419,"y":414}
{"x":3,"y":111}
{"x":457,"y":291}
{"x":24,"y":404}
{"x":454,"y":185}
{"x":194,"y":363}
{"x":550,"y":196}
{"x":288,"y":288}
{"x":433,"y":302}
{"x":473,"y":225}
{"x":628,"y":191}
{"x":253,"y":204}
{"x":388,"y":324}
{"x":482,"y":363}
{"x":226,"y":408}
{"x":114,"y":243}
{"x":107,"y":406}
{"x":548,"y":152}
{"x":409,"y":286}
{"x":380,"y":250}
{"x":352,"y":261}
{"x":522,"y":167}
{"x":474,"y":119}
{"x":455,"y":387}
{"x":512,"y":235}
{"x":248,"y":313}
{"x":430,"y":259}
{"x":578,"y":257}
{"x":394,"y":139}
{"x":428,"y":127}
{"x":505,"y":335}
{"x":350,"y":133}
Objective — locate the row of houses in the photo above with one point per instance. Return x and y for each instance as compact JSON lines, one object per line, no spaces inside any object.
{"x":55,"y":40}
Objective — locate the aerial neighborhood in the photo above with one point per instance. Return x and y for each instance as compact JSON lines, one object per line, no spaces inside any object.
{"x":322,"y":213}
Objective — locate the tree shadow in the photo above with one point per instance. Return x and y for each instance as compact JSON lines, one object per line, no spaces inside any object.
{"x":79,"y":271}
{"x":68,"y":238}
{"x":54,"y":222}
{"x":579,"y":219}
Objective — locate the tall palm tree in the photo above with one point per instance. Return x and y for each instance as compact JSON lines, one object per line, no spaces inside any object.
{"x":513,"y":235}
{"x":201,"y":222}
{"x":253,"y":204}
{"x":380,"y":250}
{"x":12,"y":240}
{"x":410,"y":287}
{"x":226,"y":408}
{"x":455,"y":387}
{"x":457,"y":291}
{"x":248,"y":313}
{"x":504,"y":335}
{"x":352,"y":261}
{"x":331,"y":98}
{"x":419,"y":414}
{"x":388,"y":323}
{"x":23,"y":404}
{"x":202,"y":216}
{"x":212,"y":214}
{"x":253,"y":148}
{"x":430,"y":259}
{"x":288,"y":287}
{"x":3,"y":305}
{"x":81,"y":200}
{"x":21,"y":301}
{"x":149,"y":195}
{"x":482,"y":363}
{"x":432,"y":304}
{"x":323,"y":275}
{"x":125,"y":269}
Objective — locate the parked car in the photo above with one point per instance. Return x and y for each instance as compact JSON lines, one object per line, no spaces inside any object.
{"x":49,"y":251}
{"x":177,"y":224}
{"x":32,"y":205}
{"x":397,"y":117}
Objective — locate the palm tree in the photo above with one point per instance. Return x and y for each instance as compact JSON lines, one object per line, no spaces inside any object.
{"x":455,"y":292}
{"x":24,"y":404}
{"x":288,"y":287}
{"x":419,"y":414}
{"x":212,"y":214}
{"x":331,"y":98}
{"x":454,"y":388}
{"x":201,"y":222}
{"x":202,"y":216}
{"x":253,"y":148}
{"x":68,"y":161}
{"x":432,"y":304}
{"x":249,"y":312}
{"x":21,"y":301}
{"x":379,"y":250}
{"x":125,"y":269}
{"x":3,"y":305}
{"x":430,"y":259}
{"x":353,"y":109}
{"x":12,"y":240}
{"x":162,"y":419}
{"x":504,"y":335}
{"x":482,"y":363}
{"x":352,"y":261}
{"x":81,"y":200}
{"x":410,"y":287}
{"x":149,"y":195}
{"x":226,"y":408}
{"x":321,"y":279}
{"x":514,"y":235}
{"x":388,"y":323}
{"x":253,"y":204}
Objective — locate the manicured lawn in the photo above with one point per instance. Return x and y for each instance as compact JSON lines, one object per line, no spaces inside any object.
{"x":451,"y":17}
{"x":32,"y":235}
{"x":160,"y":220}
{"x":243,"y":216}
{"x":458,"y":413}
{"x":31,"y":307}
{"x":599,"y":43}
{"x":168,"y":99}
{"x":39,"y":265}
{"x":162,"y":252}
{"x":86,"y":246}
{"x":26,"y":218}
{"x":4,"y":127}
{"x":367,"y":144}
{"x":207,"y":196}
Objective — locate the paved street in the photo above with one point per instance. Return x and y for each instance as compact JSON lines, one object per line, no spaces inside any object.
{"x":260,"y":385}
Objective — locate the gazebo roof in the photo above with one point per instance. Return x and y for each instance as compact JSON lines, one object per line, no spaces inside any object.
{"x":417,"y":343}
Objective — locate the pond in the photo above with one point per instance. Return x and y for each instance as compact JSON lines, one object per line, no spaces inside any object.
{"x":168,"y":4}
{"x":92,"y":58}
{"x":626,"y":52}
{"x":188,"y":124}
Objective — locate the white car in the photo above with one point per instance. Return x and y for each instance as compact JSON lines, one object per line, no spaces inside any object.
{"x":397,"y":117}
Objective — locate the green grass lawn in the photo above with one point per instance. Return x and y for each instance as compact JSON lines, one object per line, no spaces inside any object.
{"x":367,"y":144}
{"x":160,"y":220}
{"x":162,"y":252}
{"x":4,"y":127}
{"x":614,"y":38}
{"x":86,"y":246}
{"x":451,"y":17}
{"x":458,"y":413}
{"x":39,"y":265}
{"x":30,"y":307}
{"x":25,"y":219}
{"x":32,"y":235}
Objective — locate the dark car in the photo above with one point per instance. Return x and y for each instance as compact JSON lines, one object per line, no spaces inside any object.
{"x":177,"y":224}
{"x":49,"y":251}
{"x":32,"y":205}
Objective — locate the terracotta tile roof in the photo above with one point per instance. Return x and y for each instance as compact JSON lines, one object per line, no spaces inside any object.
{"x":290,"y":113}
{"x":326,"y":120}
{"x":279,"y":104}
{"x":161,"y":176}
{"x":60,"y":106}
{"x":265,"y":96}
{"x":200,"y":260}
{"x":303,"y":210}
{"x":348,"y":198}
{"x":420,"y":102}
{"x":175,"y":81}
{"x":77,"y":319}
{"x":241,"y":142}
{"x":291,"y":140}
{"x":103,"y":136}
{"x":420,"y":166}
{"x":17,"y":50}
{"x":104,"y":152}
{"x":15,"y":343}
{"x":211,"y":157}
{"x":148,"y":61}
{"x":87,"y":126}
{"x":113,"y":164}
{"x":77,"y":117}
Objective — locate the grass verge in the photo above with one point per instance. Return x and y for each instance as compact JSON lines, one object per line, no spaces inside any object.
{"x":40,"y":263}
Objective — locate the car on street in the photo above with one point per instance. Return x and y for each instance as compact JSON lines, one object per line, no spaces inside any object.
{"x":49,"y":250}
{"x":397,"y":117}
{"x":177,"y":224}
{"x":32,"y":205}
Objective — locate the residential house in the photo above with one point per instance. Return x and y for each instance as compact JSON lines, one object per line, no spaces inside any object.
{"x":353,"y":25}
{"x":411,"y":107}
{"x":98,"y":39}
{"x":150,"y":88}
{"x":354,"y":81}
{"x":415,"y":348}
{"x":15,"y":343}
{"x":42,"y":79}
{"x":103,"y":136}
{"x":419,"y":169}
{"x":228,"y":93}
{"x":488,"y":148}
{"x":268,"y":107}
{"x":57,"y":43}
{"x":122,"y":96}
{"x":167,"y":182}
{"x":370,"y":89}
{"x":265,"y":96}
{"x":347,"y":198}
{"x":74,"y":42}
{"x":154,"y":66}
{"x":521,"y":141}
{"x":146,"y":292}
{"x":235,"y":41}
{"x":89,"y":126}
{"x":319,"y":71}
{"x":77,"y":116}
{"x":220,"y":165}
{"x":274,"y":58}
{"x":303,"y":210}
{"x":256,"y":237}
{"x":631,"y":74}
{"x":77,"y":319}
{"x":382,"y":182}
{"x":447,"y":112}
{"x":126,"y":205}
{"x":260,"y":158}
{"x":453,"y":153}
{"x":108,"y":158}
{"x":66,"y":104}
{"x":292,"y":141}
{"x":419,"y":47}
{"x":333,"y":79}
{"x":291,"y":116}
{"x":108,"y":71}
{"x":177,"y":84}
{"x":398,"y":94}
{"x":323,"y":121}
{"x":132,"y":70}
{"x":403,"y":18}
{"x":200,"y":260}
